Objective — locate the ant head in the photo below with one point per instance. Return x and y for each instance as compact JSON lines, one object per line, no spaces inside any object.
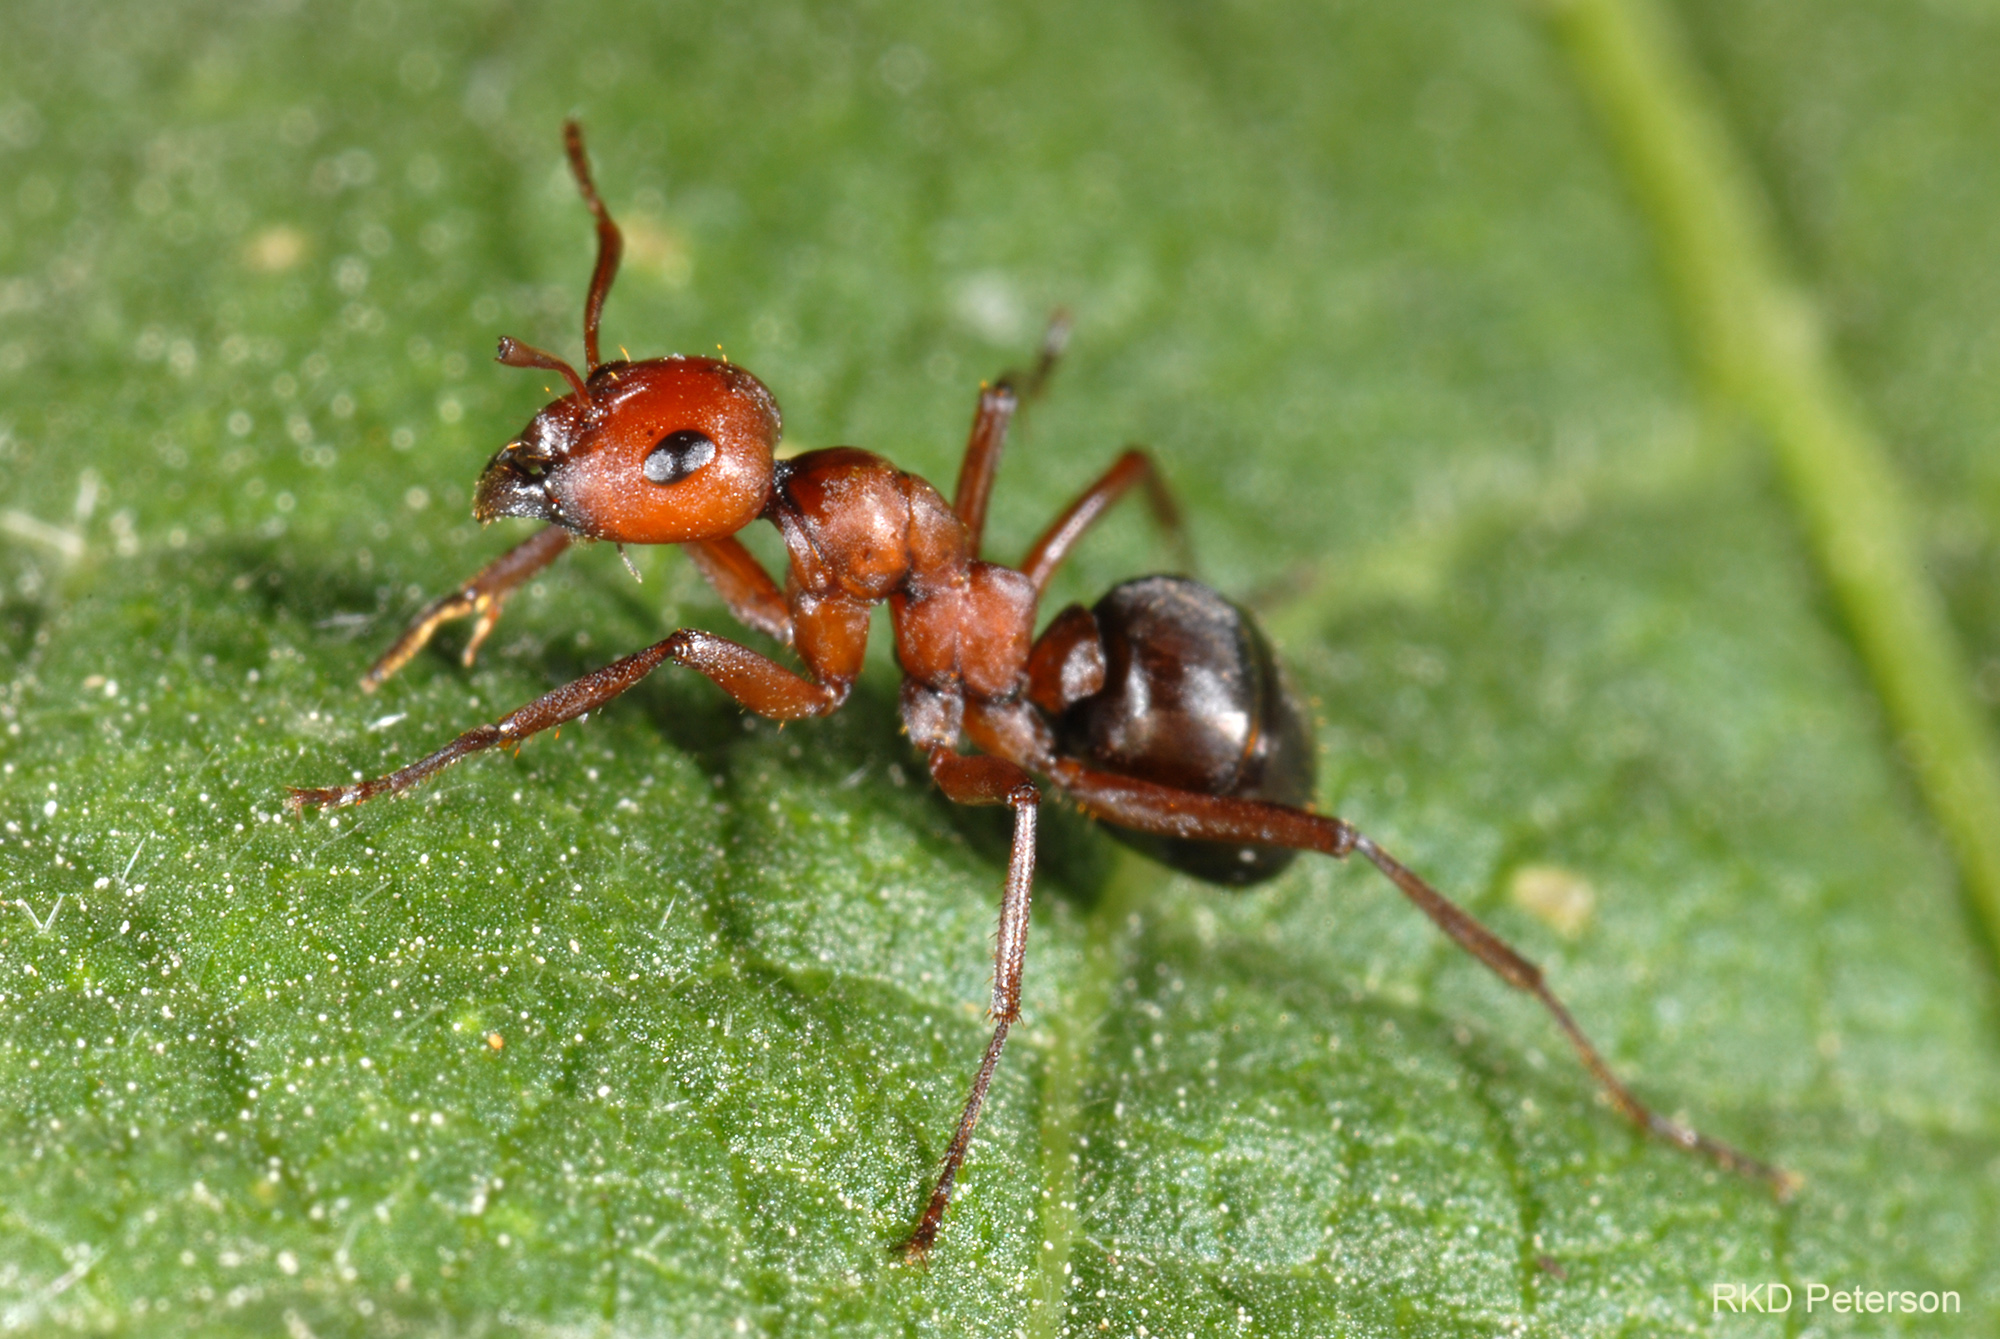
{"x":658,"y":452}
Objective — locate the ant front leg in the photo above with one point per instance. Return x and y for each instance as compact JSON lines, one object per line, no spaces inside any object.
{"x":977,"y":779}
{"x":736,"y":575}
{"x":1148,"y":807}
{"x":481,"y":597}
{"x":833,"y":638}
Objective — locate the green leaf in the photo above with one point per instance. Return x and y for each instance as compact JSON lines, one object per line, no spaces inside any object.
{"x":661,"y":1026}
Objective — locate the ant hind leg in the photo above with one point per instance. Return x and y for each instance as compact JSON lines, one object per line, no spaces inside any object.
{"x":1148,"y":807}
{"x":1133,"y":466}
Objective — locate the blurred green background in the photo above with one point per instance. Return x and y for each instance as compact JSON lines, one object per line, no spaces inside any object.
{"x":659,"y":1028}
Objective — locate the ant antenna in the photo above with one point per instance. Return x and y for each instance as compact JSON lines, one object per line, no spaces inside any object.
{"x":610,"y":242}
{"x":516,"y":354}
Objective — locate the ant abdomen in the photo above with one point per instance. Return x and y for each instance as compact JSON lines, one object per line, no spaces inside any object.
{"x":1193,"y":698}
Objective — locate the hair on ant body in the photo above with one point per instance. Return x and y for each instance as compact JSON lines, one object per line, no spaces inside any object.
{"x":1160,"y":710}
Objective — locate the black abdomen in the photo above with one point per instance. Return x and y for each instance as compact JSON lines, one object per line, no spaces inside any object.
{"x":1193,"y":698}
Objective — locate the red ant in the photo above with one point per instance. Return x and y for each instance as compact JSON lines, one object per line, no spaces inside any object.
{"x":1160,"y":710}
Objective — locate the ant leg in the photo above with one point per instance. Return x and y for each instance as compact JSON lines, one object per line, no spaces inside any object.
{"x":744,"y":585}
{"x":1153,"y":808}
{"x":481,"y":596}
{"x":979,"y":779}
{"x":997,"y":405}
{"x":1524,"y":976}
{"x":760,"y":684}
{"x":1133,"y":467}
{"x":1055,"y":338}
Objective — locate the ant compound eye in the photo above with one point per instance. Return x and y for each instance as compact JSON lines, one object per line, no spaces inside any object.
{"x":677,"y":456}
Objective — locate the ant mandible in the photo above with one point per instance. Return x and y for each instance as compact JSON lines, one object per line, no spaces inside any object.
{"x":1160,"y":710}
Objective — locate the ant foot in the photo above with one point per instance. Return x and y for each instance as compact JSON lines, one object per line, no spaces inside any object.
{"x":299,"y":798}
{"x":915,"y":1249}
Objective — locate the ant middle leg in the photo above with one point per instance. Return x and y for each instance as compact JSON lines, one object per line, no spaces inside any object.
{"x":981,"y":779}
{"x":998,"y":404}
{"x":480,"y":597}
{"x":1149,"y":807}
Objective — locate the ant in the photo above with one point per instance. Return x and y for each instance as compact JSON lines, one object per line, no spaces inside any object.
{"x":1160,"y":710}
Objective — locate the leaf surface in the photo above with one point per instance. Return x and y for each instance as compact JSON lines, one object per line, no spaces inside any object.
{"x":660,"y":1026}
